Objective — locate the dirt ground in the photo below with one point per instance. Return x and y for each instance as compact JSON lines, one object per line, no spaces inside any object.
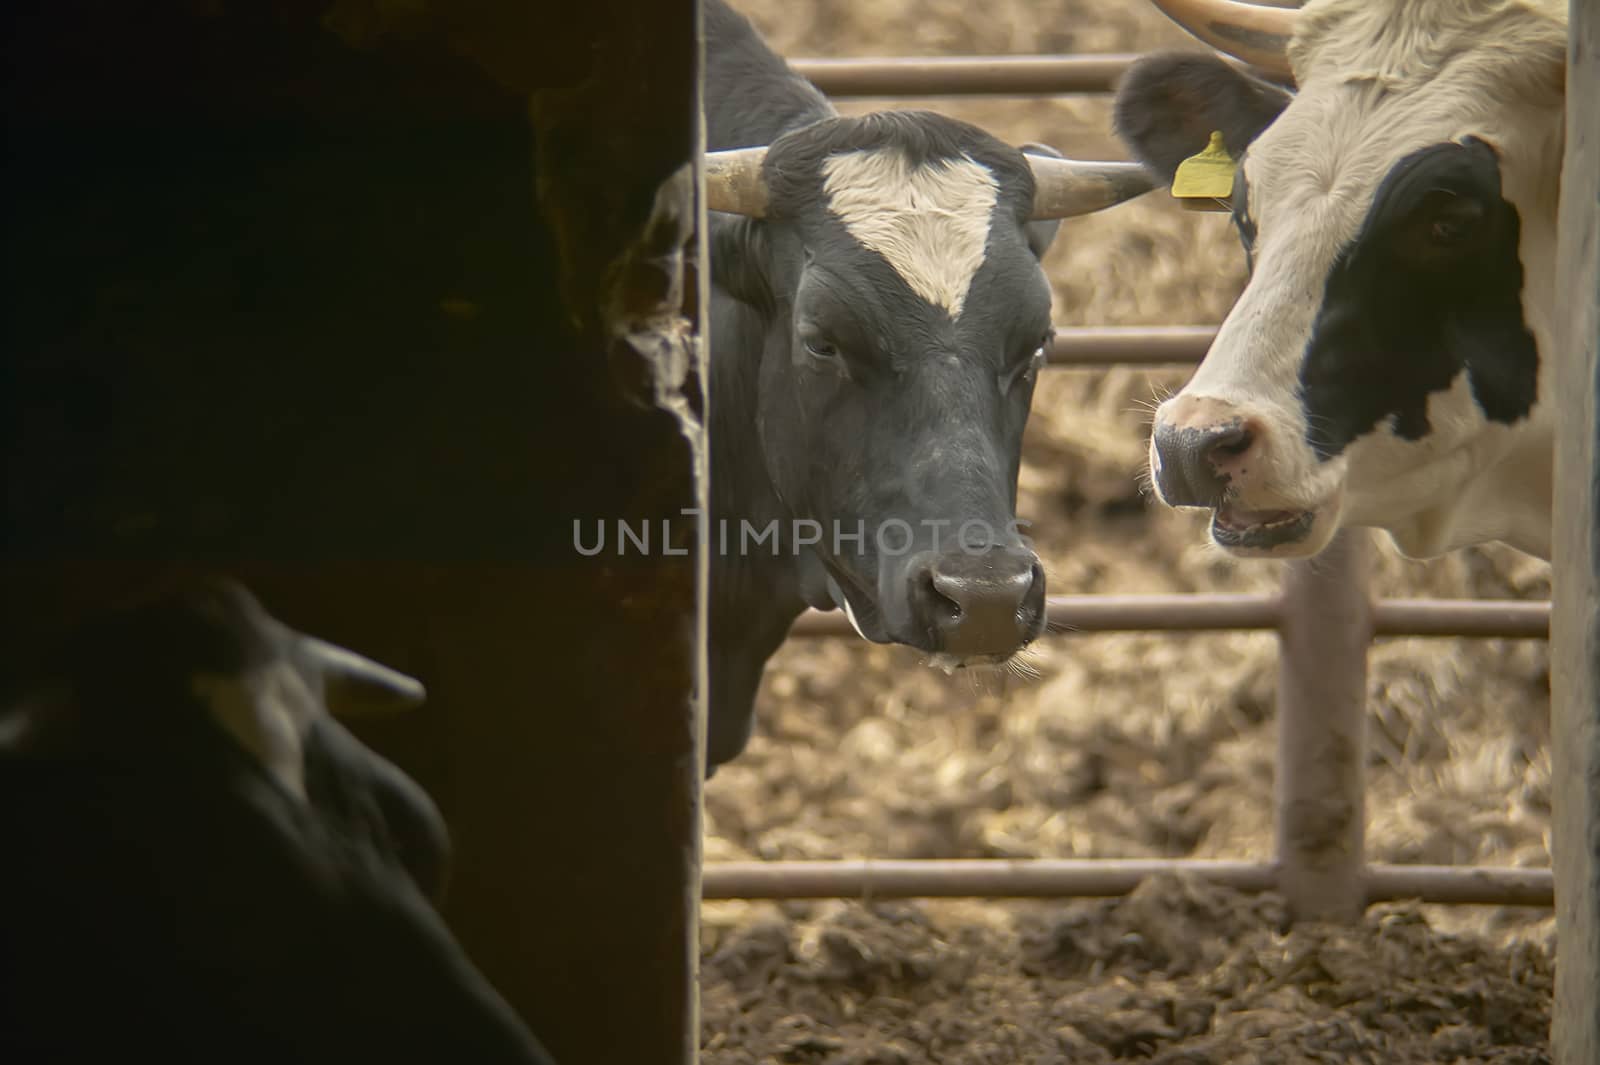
{"x":1124,"y":745}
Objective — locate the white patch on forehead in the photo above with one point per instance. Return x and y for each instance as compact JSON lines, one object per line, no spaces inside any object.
{"x":930,"y":222}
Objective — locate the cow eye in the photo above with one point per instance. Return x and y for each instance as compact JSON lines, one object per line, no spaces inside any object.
{"x":822,"y":349}
{"x":1447,"y":231}
{"x":1444,"y":227}
{"x":1031,"y":370}
{"x":1028,"y":369}
{"x":1451,"y":219}
{"x":824,"y":355}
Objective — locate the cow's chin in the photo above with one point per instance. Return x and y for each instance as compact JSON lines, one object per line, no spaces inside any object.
{"x":948,"y":664}
{"x":1273,"y":533}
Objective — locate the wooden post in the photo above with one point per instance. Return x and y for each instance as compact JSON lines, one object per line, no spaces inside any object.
{"x":1575,"y":622}
{"x":367,"y":304}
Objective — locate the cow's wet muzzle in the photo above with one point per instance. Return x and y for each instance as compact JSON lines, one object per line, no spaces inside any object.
{"x":972,"y":604}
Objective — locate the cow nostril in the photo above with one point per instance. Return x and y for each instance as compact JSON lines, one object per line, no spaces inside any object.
{"x":977,"y":604}
{"x":1198,"y":458}
{"x":941,"y":610}
{"x":1032,"y":605}
{"x":1231,"y":442}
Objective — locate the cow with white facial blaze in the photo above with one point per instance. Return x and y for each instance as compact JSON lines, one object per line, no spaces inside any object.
{"x":202,"y":863}
{"x":878,"y":315}
{"x":1388,"y":363}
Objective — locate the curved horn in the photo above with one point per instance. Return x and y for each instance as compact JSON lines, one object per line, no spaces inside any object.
{"x":1065,"y":187}
{"x":1255,"y":33}
{"x":734,"y":183}
{"x":354,"y":685}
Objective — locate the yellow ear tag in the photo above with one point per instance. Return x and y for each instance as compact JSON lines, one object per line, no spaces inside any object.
{"x":1204,"y":182}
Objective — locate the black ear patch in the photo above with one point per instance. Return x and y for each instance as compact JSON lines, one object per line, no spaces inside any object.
{"x":740,"y":252}
{"x":1169,"y":103}
{"x":1430,"y":287}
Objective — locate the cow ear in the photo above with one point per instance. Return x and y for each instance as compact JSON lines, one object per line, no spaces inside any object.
{"x":1042,"y":234}
{"x":1168,"y":105}
{"x":739,"y":257}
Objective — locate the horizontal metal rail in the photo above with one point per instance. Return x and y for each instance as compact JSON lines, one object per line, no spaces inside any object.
{"x":1130,"y":345}
{"x":978,"y":75}
{"x":1482,"y":618}
{"x":1487,"y":618}
{"x":1096,"y":878}
{"x":1001,"y":75}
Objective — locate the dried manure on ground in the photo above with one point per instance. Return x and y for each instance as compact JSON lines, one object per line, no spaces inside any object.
{"x":1128,"y":745}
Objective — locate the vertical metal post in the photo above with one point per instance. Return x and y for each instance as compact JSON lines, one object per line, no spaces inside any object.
{"x":1575,"y":619}
{"x":700,"y":348}
{"x":1325,"y":631}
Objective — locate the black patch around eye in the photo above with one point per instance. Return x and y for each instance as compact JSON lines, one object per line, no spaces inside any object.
{"x":1431,"y":286}
{"x":1441,"y":228}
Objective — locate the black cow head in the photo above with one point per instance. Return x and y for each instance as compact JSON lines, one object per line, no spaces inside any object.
{"x":203,"y":859}
{"x":199,"y":681}
{"x":895,"y":260}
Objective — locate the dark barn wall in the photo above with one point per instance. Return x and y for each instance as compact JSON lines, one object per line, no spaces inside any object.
{"x":281,"y":300}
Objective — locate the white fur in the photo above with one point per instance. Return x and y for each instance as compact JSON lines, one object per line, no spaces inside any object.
{"x":1395,"y":483}
{"x":850,"y":612}
{"x":931,"y":223}
{"x":1378,"y":80}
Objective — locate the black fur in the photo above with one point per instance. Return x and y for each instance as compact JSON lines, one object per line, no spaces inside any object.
{"x":1168,"y":104}
{"x":752,"y":96}
{"x":871,"y":421}
{"x":1431,"y":286}
{"x":158,"y":874}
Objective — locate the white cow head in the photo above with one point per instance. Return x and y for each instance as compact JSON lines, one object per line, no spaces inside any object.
{"x":1383,"y":365}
